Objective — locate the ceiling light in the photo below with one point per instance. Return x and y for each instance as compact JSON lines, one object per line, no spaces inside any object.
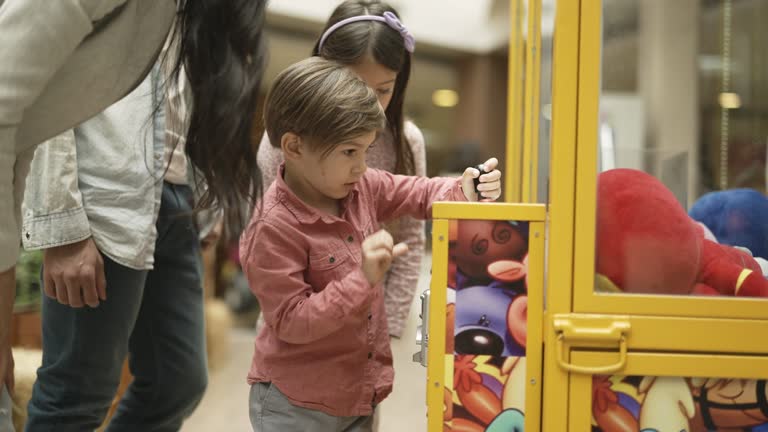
{"x":730,"y":100}
{"x":445,"y":98}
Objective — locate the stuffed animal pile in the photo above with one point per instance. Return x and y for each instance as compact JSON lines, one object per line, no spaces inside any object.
{"x":647,"y":243}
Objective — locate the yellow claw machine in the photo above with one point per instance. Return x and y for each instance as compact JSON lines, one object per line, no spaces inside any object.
{"x":620,"y":287}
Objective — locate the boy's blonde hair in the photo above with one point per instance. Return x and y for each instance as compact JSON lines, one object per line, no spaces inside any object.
{"x":323,"y":102}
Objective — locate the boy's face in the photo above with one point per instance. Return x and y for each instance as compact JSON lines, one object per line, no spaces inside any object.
{"x":334,"y":175}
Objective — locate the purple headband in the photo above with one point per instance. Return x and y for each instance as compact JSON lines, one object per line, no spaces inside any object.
{"x":388,"y":18}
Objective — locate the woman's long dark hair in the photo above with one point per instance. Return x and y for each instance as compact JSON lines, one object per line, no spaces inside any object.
{"x":222,"y":50}
{"x":351,"y":43}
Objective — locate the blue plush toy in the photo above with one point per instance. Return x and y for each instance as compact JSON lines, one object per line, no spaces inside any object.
{"x":736,"y":217}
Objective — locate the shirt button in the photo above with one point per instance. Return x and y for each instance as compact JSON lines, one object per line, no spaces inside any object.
{"x":350,"y":239}
{"x":332,"y":260}
{"x":370,"y":355}
{"x":370,"y":316}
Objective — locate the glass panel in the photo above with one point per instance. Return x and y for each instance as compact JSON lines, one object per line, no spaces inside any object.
{"x":516,"y":102}
{"x":683,"y":106}
{"x":487,"y":325}
{"x":636,"y":403}
{"x":539,"y":98}
{"x":548,"y":9}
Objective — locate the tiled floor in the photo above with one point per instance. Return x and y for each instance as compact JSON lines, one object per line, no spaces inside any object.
{"x":226,"y":401}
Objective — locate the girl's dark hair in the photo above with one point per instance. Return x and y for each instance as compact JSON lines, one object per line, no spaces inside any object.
{"x":222,"y":50}
{"x":351,"y":43}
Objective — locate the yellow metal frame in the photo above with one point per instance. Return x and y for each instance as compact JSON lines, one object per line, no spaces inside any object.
{"x":656,"y":364}
{"x":681,"y":334}
{"x":515,"y":91}
{"x":532,"y":95}
{"x":561,"y":207}
{"x":436,"y":372}
{"x":535,"y":338}
{"x":489,"y":211}
{"x":590,"y":42}
{"x":437,"y":310}
{"x":585,"y":298}
{"x":694,"y":307}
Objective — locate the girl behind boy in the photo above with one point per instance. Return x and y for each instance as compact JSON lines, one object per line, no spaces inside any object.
{"x":315,"y":258}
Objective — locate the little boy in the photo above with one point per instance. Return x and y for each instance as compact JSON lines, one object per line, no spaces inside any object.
{"x":315,"y":258}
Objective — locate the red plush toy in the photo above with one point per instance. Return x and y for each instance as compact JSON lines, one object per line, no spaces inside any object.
{"x":647,"y":243}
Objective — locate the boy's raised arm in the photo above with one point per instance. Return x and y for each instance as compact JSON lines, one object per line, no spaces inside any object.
{"x":396,"y":195}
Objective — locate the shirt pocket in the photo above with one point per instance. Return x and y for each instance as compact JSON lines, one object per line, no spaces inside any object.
{"x":328,"y":265}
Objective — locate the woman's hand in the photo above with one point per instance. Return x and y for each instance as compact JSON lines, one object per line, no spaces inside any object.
{"x":73,"y":274}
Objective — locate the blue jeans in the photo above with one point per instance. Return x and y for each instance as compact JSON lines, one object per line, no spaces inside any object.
{"x":155,"y":316}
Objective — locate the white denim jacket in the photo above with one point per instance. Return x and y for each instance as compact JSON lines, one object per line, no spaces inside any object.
{"x":102,"y":180}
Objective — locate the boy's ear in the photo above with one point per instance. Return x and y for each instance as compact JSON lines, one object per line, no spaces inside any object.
{"x":291,"y":145}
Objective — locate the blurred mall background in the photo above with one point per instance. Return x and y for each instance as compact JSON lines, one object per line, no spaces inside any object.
{"x":457,"y":90}
{"x":684,"y":96}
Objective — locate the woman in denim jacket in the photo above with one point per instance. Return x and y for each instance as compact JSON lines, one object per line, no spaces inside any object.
{"x":64,"y":61}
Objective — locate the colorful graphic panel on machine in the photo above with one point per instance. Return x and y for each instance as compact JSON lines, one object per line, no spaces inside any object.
{"x":656,"y":404}
{"x":486,"y":326}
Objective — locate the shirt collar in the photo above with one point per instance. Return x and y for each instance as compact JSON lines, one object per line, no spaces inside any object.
{"x":303,"y":212}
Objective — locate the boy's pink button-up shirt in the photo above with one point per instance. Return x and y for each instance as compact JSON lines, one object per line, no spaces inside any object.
{"x":326,"y":345}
